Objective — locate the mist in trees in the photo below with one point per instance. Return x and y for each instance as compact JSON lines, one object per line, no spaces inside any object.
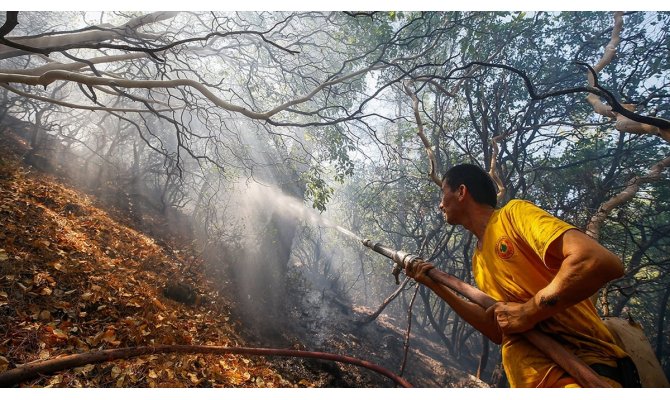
{"x":214,"y":117}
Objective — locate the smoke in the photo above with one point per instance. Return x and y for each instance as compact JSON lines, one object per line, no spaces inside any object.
{"x":282,"y":249}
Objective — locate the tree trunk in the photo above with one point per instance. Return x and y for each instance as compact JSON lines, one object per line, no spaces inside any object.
{"x":660,"y":326}
{"x":486,"y":344}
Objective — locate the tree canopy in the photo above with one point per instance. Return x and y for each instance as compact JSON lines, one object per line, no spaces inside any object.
{"x":357,"y":114}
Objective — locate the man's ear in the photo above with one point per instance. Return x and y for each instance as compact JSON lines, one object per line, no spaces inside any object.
{"x":461,"y":192}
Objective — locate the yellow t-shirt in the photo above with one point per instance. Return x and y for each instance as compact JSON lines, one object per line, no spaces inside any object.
{"x":510,"y":267}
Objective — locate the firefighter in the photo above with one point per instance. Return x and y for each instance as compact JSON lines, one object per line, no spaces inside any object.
{"x":542,"y":271}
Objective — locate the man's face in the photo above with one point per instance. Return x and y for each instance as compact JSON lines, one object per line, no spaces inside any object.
{"x":449,"y":204}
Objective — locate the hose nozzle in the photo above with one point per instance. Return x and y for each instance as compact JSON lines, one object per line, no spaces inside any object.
{"x":401,"y":258}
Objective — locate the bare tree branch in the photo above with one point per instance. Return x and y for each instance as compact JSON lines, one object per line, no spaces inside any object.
{"x":79,"y":106}
{"x":494,"y":165}
{"x":13,"y":47}
{"x":632,"y":187}
{"x":10,"y":23}
{"x":55,"y":75}
{"x":661,"y":123}
{"x":74,"y":66}
{"x":610,"y":51}
{"x":426,"y":144}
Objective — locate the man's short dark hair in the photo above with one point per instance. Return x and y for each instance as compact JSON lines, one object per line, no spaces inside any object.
{"x":479,"y":183}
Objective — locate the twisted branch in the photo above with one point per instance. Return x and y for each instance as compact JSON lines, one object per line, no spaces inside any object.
{"x":660,"y":123}
{"x":494,"y":163}
{"x":57,"y":75}
{"x":608,"y":56}
{"x":426,"y":144}
{"x":632,"y":187}
{"x":80,"y":106}
{"x":10,"y":23}
{"x":47,"y":45}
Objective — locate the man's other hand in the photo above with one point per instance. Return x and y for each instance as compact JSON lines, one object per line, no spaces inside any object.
{"x":418,"y":270}
{"x":513,"y":317}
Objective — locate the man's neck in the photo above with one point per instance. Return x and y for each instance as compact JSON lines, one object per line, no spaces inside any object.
{"x":479,"y":219}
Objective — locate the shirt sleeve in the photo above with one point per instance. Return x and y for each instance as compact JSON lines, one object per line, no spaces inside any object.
{"x":534,"y":226}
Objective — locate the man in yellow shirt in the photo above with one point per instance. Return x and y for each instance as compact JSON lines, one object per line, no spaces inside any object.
{"x":541,"y":271}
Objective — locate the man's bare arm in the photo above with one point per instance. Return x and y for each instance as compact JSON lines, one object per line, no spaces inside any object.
{"x":480,"y":319}
{"x":585,"y":266}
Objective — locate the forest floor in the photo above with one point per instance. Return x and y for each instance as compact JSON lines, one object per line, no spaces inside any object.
{"x":75,"y":277}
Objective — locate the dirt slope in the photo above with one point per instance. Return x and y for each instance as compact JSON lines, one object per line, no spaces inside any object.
{"x":72,"y":279}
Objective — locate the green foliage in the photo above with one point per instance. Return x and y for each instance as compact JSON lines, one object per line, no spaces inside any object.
{"x":316,"y":188}
{"x":337,"y":148}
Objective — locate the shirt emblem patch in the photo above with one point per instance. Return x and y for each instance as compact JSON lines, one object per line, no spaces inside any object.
{"x":504,"y":248}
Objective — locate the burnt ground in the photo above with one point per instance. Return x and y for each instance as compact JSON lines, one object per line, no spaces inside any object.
{"x":321,"y":322}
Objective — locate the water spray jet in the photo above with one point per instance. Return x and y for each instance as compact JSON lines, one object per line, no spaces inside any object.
{"x":347,"y":232}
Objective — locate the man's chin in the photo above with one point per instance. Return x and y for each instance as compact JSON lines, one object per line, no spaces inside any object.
{"x":451,"y":220}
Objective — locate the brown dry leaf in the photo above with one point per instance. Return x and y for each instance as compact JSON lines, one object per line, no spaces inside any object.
{"x":79,"y":344}
{"x":85,"y":369}
{"x":56,"y":380}
{"x":3,"y":255}
{"x":306,"y":383}
{"x":158,"y":304}
{"x":194,"y":378}
{"x":110,"y":337}
{"x":4,"y":364}
{"x":60,"y":334}
{"x":44,"y":354}
{"x":235,"y":379}
{"x":133,"y":303}
{"x":152,"y":374}
{"x":44,"y":315}
{"x":116,"y":371}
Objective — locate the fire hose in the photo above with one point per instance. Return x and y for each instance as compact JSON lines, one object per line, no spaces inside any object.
{"x":579,"y":370}
{"x":35,"y":369}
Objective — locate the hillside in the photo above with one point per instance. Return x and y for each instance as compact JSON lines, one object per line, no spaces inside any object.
{"x":74,"y":278}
